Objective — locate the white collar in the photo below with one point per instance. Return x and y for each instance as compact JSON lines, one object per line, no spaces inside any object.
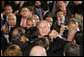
{"x":46,"y":12}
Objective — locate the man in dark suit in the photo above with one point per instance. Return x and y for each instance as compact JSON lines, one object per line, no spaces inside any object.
{"x":24,"y":14}
{"x":38,"y":10}
{"x":11,"y":23}
{"x":4,"y":43}
{"x":12,"y":3}
{"x":57,"y":44}
{"x":45,"y":10}
{"x":7,"y":10}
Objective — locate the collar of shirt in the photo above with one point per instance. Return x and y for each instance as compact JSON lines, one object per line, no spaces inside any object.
{"x":37,"y":9}
{"x":23,"y":22}
{"x":46,"y":12}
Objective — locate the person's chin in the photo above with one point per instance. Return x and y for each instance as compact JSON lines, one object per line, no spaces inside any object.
{"x":37,"y":6}
{"x":43,"y":34}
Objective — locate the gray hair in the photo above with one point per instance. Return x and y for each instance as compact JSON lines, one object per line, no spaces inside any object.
{"x":10,"y":15}
{"x":43,"y":21}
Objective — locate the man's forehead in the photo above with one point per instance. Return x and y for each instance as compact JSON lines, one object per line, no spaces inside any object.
{"x":43,"y":23}
{"x":24,"y":8}
{"x":8,"y":7}
{"x":12,"y":16}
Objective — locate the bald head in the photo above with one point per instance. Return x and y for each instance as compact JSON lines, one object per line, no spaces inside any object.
{"x":38,"y":51}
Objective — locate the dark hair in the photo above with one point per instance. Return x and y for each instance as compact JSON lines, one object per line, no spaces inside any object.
{"x":29,"y":8}
{"x":79,"y":9}
{"x":45,"y":7}
{"x":18,"y":36}
{"x":30,"y":18}
{"x":58,"y":10}
{"x":32,"y":33}
{"x":79,"y":38}
{"x":8,"y":5}
{"x":71,"y":49}
{"x":43,"y":41}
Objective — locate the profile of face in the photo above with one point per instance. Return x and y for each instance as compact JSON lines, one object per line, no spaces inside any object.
{"x":25,"y":12}
{"x":12,"y":20}
{"x":60,"y":4}
{"x":15,"y":32}
{"x":8,"y":10}
{"x":43,"y":29}
{"x":37,"y":3}
{"x":49,"y":19}
{"x":23,"y":39}
{"x":29,"y":23}
{"x":36,"y":18}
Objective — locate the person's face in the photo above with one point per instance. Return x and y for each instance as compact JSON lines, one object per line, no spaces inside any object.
{"x":23,"y":39}
{"x":12,"y":20}
{"x":36,"y":18}
{"x":25,"y":12}
{"x":60,"y":14}
{"x":8,"y":10}
{"x":29,"y":23}
{"x":43,"y":29}
{"x":60,"y":4}
{"x":37,"y":3}
{"x":49,"y":20}
{"x":15,"y":32}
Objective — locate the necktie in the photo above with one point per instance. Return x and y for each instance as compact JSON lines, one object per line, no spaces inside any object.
{"x":40,"y":14}
{"x":23,"y":23}
{"x":10,"y":27}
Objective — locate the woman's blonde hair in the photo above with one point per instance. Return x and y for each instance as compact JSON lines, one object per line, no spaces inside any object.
{"x":13,"y":50}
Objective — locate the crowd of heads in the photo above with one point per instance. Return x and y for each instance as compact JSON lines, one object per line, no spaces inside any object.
{"x":41,"y":28}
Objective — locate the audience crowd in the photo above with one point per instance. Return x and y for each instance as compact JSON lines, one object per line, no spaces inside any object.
{"x":41,"y":28}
